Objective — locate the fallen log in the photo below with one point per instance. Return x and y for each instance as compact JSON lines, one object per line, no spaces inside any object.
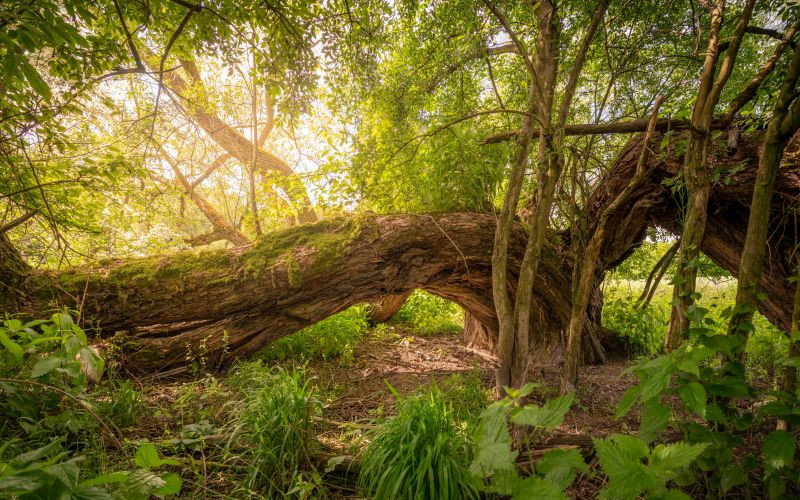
{"x":166,"y":310}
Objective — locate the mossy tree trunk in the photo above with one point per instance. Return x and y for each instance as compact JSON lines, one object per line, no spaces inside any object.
{"x":226,"y":303}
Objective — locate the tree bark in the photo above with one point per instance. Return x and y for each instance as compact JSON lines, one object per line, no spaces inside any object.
{"x":780,"y":129}
{"x":384,"y":309}
{"x":170,"y":309}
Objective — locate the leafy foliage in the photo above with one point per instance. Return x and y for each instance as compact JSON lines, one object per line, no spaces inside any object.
{"x":420,"y":453}
{"x":52,"y":364}
{"x":276,"y":417}
{"x":494,"y":462}
{"x":710,"y":381}
{"x":429,"y":314}
{"x":333,"y":337}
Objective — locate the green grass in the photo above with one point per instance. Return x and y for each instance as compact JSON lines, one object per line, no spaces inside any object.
{"x":429,"y":315}
{"x":332,"y":338}
{"x":644,"y":330}
{"x":422,"y":453}
{"x":276,"y":420}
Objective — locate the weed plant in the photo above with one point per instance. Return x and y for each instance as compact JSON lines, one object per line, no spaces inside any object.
{"x":428,"y":314}
{"x":276,"y":420}
{"x":422,"y":453}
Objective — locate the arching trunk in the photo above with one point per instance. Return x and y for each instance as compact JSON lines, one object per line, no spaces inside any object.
{"x":384,"y":309}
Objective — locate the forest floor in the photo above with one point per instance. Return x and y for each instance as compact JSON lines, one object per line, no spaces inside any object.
{"x":359,"y":393}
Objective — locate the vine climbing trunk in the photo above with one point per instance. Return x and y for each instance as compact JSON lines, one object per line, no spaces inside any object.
{"x":695,"y":167}
{"x":784,"y":123}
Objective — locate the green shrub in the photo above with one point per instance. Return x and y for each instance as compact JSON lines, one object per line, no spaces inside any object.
{"x":122,"y":404}
{"x":643,"y":330}
{"x":419,"y":454}
{"x":333,"y":337}
{"x":276,"y":418}
{"x":46,"y":367}
{"x":467,"y":395}
{"x":495,"y":461}
{"x":429,"y":314}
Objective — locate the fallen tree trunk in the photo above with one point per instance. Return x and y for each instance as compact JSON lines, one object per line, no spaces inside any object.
{"x":165,"y":310}
{"x":384,"y":309}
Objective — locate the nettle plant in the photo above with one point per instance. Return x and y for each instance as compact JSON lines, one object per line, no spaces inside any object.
{"x":495,"y":460}
{"x":715,"y":412}
{"x":46,"y":367}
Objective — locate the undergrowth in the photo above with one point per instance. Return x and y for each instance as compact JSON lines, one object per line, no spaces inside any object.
{"x":428,"y":314}
{"x":643,"y":329}
{"x":422,"y":453}
{"x":332,"y":338}
{"x":276,"y":418}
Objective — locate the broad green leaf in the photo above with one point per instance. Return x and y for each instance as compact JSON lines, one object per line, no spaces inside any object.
{"x":627,"y":401}
{"x":693,"y":396}
{"x":14,"y":348}
{"x":114,"y":477}
{"x":548,"y":416}
{"x":655,"y":418}
{"x":673,"y":456}
{"x":147,"y":457}
{"x":560,"y":466}
{"x":779,"y":449}
{"x":654,"y":385}
{"x":172,"y":485}
{"x":534,"y":488}
{"x":45,"y":366}
{"x":618,"y":452}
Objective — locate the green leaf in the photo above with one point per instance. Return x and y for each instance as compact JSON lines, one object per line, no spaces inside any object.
{"x":548,"y":416}
{"x":114,"y":477}
{"x":45,"y":366}
{"x":618,"y":452}
{"x":534,"y":488}
{"x":34,"y":79}
{"x":147,"y":457}
{"x":13,"y":348}
{"x":654,"y":385}
{"x":693,"y":396}
{"x":93,"y":364}
{"x":674,"y":456}
{"x":627,"y":401}
{"x":655,"y":417}
{"x":559,"y":466}
{"x":779,"y":449}
{"x":172,"y":485}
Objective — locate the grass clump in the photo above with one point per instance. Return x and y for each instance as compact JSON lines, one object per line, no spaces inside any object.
{"x":429,"y":314}
{"x":332,"y":338}
{"x":467,"y":395}
{"x":275,"y":419}
{"x":422,"y":453}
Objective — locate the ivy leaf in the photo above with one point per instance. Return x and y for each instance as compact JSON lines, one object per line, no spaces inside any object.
{"x":779,"y":449}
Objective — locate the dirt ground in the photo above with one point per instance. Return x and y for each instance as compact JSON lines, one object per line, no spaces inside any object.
{"x":358,"y":393}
